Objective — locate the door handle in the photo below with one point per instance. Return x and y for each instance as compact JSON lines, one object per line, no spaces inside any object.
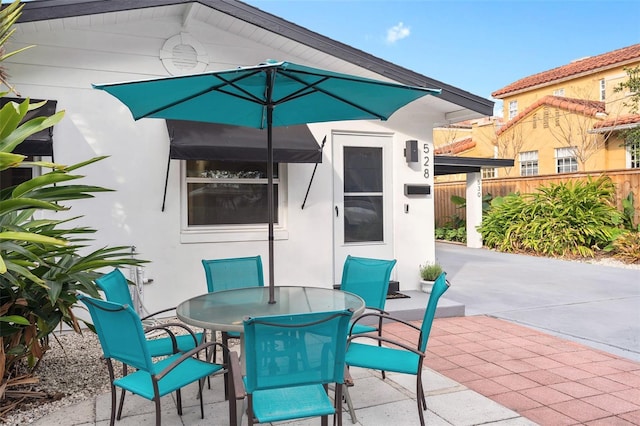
{"x":337,"y":211}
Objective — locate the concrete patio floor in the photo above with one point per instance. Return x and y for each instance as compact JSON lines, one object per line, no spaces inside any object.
{"x":377,"y":402}
{"x":480,"y":370}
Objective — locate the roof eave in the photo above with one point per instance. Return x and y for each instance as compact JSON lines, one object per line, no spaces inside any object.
{"x":57,"y":9}
{"x":615,"y":128}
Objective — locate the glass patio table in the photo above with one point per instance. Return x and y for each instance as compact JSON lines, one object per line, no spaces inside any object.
{"x":225,"y":310}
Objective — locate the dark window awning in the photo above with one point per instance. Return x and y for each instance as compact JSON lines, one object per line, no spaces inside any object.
{"x":41,"y":143}
{"x":449,"y":165}
{"x":190,"y":140}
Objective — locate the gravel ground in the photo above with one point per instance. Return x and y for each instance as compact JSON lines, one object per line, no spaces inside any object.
{"x":72,"y":372}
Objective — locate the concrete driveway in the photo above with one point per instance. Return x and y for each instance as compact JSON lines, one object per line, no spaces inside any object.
{"x":592,"y":304}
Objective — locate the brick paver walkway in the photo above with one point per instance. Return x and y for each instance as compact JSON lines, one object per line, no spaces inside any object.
{"x":549,"y":380}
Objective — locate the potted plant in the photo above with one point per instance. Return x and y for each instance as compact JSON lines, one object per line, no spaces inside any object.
{"x":429,"y":272}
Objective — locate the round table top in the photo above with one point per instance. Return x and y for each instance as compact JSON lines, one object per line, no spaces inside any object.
{"x":226,"y":310}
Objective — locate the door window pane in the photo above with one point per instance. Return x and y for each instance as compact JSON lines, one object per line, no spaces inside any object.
{"x":362,"y":169}
{"x":363,"y":195}
{"x":363,"y":219}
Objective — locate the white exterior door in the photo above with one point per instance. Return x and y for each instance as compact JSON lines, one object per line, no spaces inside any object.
{"x":363,"y":225}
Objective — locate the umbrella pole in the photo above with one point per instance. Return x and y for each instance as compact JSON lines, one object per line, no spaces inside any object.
{"x":270,"y":203}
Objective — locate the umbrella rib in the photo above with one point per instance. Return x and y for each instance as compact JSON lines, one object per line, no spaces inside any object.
{"x":313,"y":87}
{"x":217,"y":88}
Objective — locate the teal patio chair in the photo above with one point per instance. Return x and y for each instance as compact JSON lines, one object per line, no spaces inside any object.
{"x":397,"y":356}
{"x":232,"y":273}
{"x":116,"y":289}
{"x":290,"y":381}
{"x":122,"y":338}
{"x":369,"y":279}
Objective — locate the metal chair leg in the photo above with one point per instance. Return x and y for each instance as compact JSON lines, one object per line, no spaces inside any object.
{"x":347,"y":397}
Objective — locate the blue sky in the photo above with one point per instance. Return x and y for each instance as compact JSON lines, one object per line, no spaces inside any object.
{"x":476,"y":45}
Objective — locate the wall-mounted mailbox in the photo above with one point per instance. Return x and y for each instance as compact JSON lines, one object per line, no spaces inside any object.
{"x":411,"y":152}
{"x":410,"y":189}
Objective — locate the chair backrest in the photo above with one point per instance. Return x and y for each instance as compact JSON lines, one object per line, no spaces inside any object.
{"x":120,"y":332}
{"x":292,"y":350}
{"x":231,"y":273}
{"x":368,"y":278}
{"x":115,"y":287}
{"x":439,"y":287}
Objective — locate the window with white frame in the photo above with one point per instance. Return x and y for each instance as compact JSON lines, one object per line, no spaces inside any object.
{"x":225,"y":193}
{"x":603,"y":90}
{"x":558,"y":92}
{"x":528,"y":163}
{"x":16,"y":175}
{"x":489,"y":173}
{"x":566,"y":160}
{"x":633,"y":154}
{"x":513,"y":109}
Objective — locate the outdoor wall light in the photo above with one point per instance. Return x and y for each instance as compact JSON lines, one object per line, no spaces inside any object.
{"x":411,"y":151}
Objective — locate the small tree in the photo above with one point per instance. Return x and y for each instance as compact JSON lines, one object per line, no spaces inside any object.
{"x":632,"y":84}
{"x":42,"y":267}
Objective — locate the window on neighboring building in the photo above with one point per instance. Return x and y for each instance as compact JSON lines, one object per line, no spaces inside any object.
{"x":528,"y":163}
{"x":513,"y":109}
{"x":228,"y":193}
{"x":17,"y":175}
{"x":545,"y":117}
{"x":558,"y":92}
{"x":633,"y":150}
{"x":566,"y":160}
{"x":603,"y":90}
{"x":489,"y":173}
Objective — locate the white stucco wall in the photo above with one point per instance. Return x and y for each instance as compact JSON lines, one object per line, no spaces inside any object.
{"x":68,"y":59}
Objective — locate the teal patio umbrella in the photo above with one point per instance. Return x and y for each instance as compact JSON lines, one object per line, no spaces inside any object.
{"x":264,"y":96}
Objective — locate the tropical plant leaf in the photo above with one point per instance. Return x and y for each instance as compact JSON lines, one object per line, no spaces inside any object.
{"x":16,"y":319}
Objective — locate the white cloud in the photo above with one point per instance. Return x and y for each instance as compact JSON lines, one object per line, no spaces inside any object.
{"x":397,"y":32}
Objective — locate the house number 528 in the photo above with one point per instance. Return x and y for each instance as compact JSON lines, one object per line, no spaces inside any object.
{"x":425,"y":151}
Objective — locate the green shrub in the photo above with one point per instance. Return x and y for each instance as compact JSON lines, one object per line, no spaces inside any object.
{"x":626,"y":247}
{"x":570,"y":218}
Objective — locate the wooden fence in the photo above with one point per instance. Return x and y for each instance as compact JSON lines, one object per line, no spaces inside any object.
{"x":626,"y":181}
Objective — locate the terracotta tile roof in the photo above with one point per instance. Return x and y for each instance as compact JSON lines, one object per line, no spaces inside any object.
{"x":618,"y":121}
{"x":455,"y":147}
{"x":577,"y":67}
{"x":582,"y":106}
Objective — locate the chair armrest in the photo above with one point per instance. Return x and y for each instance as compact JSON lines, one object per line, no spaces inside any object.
{"x":388,"y":341}
{"x":165,"y":327}
{"x":158,"y":312}
{"x":187,"y":355}
{"x":236,"y":375}
{"x":383,"y":316}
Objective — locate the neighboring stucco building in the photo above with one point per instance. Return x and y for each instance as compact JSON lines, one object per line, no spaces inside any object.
{"x":80,"y":42}
{"x":562,"y":120}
